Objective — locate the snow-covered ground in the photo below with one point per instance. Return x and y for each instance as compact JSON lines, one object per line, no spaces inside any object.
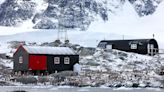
{"x":130,"y":67}
{"x":7,"y":31}
{"x":69,"y":89}
{"x":87,"y":39}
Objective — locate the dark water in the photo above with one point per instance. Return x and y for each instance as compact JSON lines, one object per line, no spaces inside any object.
{"x":66,"y":89}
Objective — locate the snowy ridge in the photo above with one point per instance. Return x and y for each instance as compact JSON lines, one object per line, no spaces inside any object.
{"x":46,"y":14}
{"x":112,"y":59}
{"x":130,"y":67}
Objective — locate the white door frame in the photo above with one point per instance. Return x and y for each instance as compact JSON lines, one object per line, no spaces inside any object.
{"x":150,"y":48}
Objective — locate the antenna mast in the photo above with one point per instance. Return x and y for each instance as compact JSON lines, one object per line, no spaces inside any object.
{"x":123,"y":37}
{"x":62,"y":32}
{"x":153,"y":35}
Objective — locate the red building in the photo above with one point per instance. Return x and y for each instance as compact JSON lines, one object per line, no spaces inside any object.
{"x":44,"y":59}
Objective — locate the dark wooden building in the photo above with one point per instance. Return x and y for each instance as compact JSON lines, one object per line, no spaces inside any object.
{"x":44,"y":59}
{"x":140,"y":46}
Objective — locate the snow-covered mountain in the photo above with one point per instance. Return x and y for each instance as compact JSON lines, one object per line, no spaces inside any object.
{"x":69,"y":14}
{"x":122,"y":20}
{"x":145,"y":7}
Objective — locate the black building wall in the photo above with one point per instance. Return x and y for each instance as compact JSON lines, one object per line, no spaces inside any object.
{"x":125,"y":45}
{"x":51,"y":67}
{"x":21,"y":66}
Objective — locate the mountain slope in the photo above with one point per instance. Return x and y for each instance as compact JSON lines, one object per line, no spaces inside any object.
{"x":145,"y":7}
{"x":67,"y":14}
{"x":115,"y":28}
{"x":133,"y":25}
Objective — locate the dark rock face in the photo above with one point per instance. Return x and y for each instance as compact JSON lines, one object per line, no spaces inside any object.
{"x":66,"y":14}
{"x":12,"y":13}
{"x":135,"y":85}
{"x":61,"y":14}
{"x":19,"y":91}
{"x":72,"y":14}
{"x":145,"y":7}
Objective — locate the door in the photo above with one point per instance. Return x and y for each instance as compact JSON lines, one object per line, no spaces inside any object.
{"x":151,"y":49}
{"x":37,"y":62}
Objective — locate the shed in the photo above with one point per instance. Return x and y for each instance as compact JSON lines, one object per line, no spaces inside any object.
{"x":44,"y":59}
{"x":140,"y":46}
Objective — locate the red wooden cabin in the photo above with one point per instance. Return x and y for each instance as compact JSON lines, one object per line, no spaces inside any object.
{"x":44,"y":59}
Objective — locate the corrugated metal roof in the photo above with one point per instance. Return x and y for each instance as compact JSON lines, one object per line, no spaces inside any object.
{"x":49,"y":50}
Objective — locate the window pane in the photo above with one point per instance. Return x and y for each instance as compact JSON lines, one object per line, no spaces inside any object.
{"x":20,"y":59}
{"x":133,"y":46}
{"x":66,"y":60}
{"x":56,"y":60}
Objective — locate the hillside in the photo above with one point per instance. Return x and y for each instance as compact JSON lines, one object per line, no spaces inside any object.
{"x":109,"y":68}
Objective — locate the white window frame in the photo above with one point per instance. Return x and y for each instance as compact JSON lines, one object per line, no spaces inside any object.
{"x":133,"y":46}
{"x":109,"y":46}
{"x":66,"y":60}
{"x":20,"y":59}
{"x":56,"y":60}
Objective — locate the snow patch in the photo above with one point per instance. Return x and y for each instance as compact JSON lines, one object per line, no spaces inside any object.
{"x":41,"y":5}
{"x":2,"y":1}
{"x":13,"y":30}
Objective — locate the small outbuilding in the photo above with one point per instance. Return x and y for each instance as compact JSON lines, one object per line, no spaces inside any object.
{"x":38,"y":59}
{"x":140,"y":46}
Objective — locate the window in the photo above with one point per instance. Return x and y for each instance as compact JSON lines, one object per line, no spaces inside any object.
{"x":102,"y":45}
{"x":56,"y":60}
{"x":151,"y":46}
{"x":133,"y":46}
{"x":109,"y":47}
{"x":66,"y":60}
{"x":20,"y":59}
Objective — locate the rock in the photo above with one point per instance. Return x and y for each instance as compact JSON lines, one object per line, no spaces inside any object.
{"x":122,"y":58}
{"x":85,"y":51}
{"x":135,"y":85}
{"x":27,"y":80}
{"x":148,"y":85}
{"x":64,"y":74}
{"x":61,"y":76}
{"x":3,"y":83}
{"x":19,"y":91}
{"x":43,"y":79}
{"x":92,"y":63}
{"x":118,"y":85}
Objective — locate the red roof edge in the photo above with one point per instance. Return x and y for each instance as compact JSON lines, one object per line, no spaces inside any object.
{"x":20,"y":46}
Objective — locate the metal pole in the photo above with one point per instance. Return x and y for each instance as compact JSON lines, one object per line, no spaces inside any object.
{"x":123,"y":37}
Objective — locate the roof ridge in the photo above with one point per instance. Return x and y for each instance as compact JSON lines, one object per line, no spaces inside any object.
{"x":49,"y":50}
